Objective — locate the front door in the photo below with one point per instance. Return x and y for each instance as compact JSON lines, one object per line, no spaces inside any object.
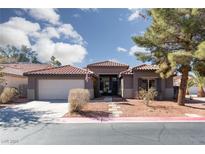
{"x":108,"y":85}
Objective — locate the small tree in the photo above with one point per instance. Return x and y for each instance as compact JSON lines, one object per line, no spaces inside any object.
{"x":11,"y":54}
{"x":190,"y":83}
{"x":55,"y":62}
{"x":199,"y":80}
{"x":147,"y":95}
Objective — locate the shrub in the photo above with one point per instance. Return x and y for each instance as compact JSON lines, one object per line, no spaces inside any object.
{"x":8,"y":94}
{"x":1,"y":89}
{"x":147,"y":95}
{"x":77,"y":98}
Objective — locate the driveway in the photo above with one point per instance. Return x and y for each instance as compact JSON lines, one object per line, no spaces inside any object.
{"x":33,"y":112}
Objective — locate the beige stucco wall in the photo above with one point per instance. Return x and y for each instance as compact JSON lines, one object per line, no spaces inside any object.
{"x":15,"y":81}
{"x":129,"y":84}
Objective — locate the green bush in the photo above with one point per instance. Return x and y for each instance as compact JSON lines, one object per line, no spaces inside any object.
{"x":77,"y":98}
{"x":147,"y":95}
{"x":8,"y":94}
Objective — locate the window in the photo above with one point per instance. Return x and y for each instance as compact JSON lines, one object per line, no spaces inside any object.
{"x":146,"y":83}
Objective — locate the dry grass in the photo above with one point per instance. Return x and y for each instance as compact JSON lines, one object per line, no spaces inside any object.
{"x":136,"y":108}
{"x":93,"y":110}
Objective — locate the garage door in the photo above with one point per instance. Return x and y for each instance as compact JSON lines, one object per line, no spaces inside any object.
{"x":57,"y":89}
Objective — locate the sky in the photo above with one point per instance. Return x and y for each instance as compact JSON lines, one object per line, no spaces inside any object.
{"x":75,"y":36}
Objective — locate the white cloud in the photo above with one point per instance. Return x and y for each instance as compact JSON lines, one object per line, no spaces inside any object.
{"x":120,"y":49}
{"x":45,"y":49}
{"x":65,"y":52}
{"x":135,"y":49}
{"x":45,"y":14}
{"x":10,"y":36}
{"x":19,"y":31}
{"x":68,"y":31}
{"x":65,"y":30}
{"x":22,"y":24}
{"x":16,"y":31}
{"x":135,"y":14}
{"x":68,"y":53}
{"x":51,"y":32}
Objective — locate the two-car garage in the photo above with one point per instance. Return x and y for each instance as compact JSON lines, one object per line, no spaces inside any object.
{"x":56,"y":82}
{"x":57,"y":89}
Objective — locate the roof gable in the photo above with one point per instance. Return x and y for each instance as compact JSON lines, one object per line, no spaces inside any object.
{"x":108,"y":63}
{"x":146,"y":67}
{"x":143,"y":67}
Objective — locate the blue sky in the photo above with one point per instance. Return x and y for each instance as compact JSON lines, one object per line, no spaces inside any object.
{"x":75,"y":36}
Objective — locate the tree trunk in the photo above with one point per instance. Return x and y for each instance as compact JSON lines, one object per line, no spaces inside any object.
{"x":200,"y":92}
{"x":183,"y":85}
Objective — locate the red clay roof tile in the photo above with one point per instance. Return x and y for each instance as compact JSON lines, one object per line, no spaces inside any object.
{"x":62,"y":70}
{"x":146,"y":67}
{"x":108,"y":64}
{"x":143,"y":67}
{"x":20,"y":68}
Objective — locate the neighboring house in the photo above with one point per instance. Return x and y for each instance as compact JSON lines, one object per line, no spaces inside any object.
{"x":102,"y":78}
{"x":192,"y":91}
{"x":13,"y":74}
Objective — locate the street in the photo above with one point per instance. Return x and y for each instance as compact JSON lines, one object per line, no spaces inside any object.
{"x":105,"y":133}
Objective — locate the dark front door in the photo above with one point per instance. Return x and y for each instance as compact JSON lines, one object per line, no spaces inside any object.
{"x":108,"y":85}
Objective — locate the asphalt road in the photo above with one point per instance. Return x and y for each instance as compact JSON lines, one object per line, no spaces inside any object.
{"x":105,"y":133}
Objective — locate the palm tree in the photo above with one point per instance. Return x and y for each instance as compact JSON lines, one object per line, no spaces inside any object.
{"x":200,"y":82}
{"x":190,"y":83}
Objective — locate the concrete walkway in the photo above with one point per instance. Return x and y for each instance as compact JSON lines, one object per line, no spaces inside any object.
{"x":113,"y":107}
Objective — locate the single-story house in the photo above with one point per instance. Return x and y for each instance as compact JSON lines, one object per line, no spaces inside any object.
{"x":13,"y":75}
{"x":102,"y":78}
{"x":192,"y":90}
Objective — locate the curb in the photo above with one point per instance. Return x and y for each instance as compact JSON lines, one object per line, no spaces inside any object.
{"x":130,"y":120}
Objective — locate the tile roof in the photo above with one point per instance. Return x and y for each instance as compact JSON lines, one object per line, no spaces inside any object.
{"x":146,"y":67}
{"x":127,"y":72}
{"x":62,"y":70}
{"x":108,"y":63}
{"x":20,"y":68}
{"x":143,"y":67}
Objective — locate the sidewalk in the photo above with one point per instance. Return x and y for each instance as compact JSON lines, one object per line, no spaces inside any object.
{"x":130,"y":120}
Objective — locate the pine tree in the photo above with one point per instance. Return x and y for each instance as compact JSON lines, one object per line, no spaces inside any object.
{"x":175,"y":41}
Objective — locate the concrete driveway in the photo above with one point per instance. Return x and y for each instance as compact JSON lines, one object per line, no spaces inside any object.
{"x":33,"y":112}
